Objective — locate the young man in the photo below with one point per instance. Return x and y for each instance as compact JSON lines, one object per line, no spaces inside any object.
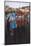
{"x":12,"y":22}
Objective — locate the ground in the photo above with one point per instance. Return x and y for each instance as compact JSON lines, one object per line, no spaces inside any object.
{"x":21,"y":36}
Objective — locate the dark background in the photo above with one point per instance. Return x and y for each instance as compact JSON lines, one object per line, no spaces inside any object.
{"x":21,"y":35}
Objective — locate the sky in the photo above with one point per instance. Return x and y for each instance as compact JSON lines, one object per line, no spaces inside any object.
{"x":16,"y":4}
